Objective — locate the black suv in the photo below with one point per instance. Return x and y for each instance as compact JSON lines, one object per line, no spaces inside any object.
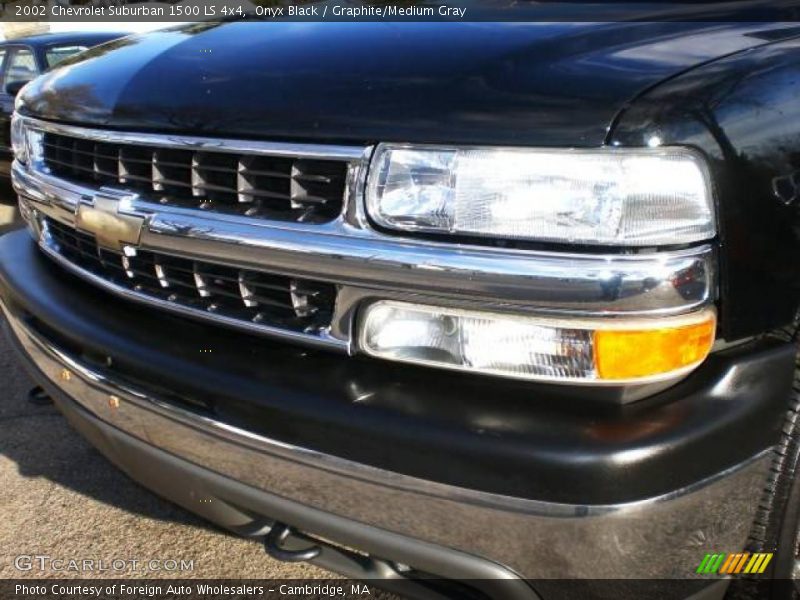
{"x":463,"y":304}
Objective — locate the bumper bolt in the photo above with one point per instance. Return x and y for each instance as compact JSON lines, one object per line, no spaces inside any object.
{"x":66,"y":375}
{"x":113,"y":401}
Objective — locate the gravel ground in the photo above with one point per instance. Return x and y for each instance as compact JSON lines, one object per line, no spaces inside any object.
{"x":61,"y":498}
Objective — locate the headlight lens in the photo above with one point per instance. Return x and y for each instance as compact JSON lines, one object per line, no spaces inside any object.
{"x":538,"y":349}
{"x":18,"y":141}
{"x":625,"y":197}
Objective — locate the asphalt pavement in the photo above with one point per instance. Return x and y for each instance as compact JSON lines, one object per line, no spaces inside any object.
{"x":60,"y":498}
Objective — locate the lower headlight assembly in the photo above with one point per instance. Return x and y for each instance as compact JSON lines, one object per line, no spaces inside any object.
{"x":575,"y":351}
{"x":607,"y":196}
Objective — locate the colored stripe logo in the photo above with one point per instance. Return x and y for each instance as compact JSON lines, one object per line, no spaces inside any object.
{"x":734,"y":564}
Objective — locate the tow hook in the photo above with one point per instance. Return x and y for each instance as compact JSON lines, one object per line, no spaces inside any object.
{"x":39,"y":397}
{"x":274,"y":540}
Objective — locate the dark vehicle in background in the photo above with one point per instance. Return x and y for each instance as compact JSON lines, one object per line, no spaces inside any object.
{"x":22,"y":60}
{"x":466,"y":308}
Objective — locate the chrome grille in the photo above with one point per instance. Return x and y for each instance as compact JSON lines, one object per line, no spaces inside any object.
{"x":270,"y":187}
{"x":293,"y":304}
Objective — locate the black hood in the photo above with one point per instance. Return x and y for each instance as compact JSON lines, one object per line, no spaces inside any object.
{"x":510,"y":83}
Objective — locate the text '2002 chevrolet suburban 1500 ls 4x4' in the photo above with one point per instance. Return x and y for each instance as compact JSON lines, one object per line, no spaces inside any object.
{"x":486,"y":302}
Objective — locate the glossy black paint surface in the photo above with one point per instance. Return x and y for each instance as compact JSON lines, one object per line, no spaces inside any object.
{"x":508,"y":438}
{"x":743,"y":112}
{"x":484,"y":83}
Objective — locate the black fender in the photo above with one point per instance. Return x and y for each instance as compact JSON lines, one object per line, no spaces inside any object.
{"x":743,"y":113}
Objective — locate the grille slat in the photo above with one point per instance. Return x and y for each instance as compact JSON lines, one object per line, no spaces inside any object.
{"x":250,"y":185}
{"x":268,"y":301}
{"x":72,"y":165}
{"x":248,"y":172}
{"x":250,"y":296}
{"x":264,"y":286}
{"x":166,"y":181}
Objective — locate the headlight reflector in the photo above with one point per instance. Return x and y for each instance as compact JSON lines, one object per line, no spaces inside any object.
{"x":626,"y":197}
{"x":590,"y":351}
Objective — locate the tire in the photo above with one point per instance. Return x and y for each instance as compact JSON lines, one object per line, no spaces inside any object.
{"x":776,"y":527}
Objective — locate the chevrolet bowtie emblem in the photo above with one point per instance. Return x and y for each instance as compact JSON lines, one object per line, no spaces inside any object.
{"x":111,"y":227}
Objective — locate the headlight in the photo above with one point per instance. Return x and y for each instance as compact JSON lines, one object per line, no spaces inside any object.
{"x":590,"y":351}
{"x":18,"y":141}
{"x":621,"y":197}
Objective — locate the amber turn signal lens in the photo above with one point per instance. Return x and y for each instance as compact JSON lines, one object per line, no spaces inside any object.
{"x":593,"y":351}
{"x":636,"y":353}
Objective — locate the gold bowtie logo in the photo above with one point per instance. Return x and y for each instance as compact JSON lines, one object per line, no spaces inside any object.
{"x":111,"y":227}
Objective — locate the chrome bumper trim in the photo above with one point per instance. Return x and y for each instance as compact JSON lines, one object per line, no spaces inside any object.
{"x":537,"y":539}
{"x":349,"y":253}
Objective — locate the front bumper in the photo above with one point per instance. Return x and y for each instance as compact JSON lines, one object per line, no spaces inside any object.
{"x":83,"y":347}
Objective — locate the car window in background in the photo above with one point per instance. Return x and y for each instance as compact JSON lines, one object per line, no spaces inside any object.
{"x":55,"y":54}
{"x":21,"y":66}
{"x":2,"y":58}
